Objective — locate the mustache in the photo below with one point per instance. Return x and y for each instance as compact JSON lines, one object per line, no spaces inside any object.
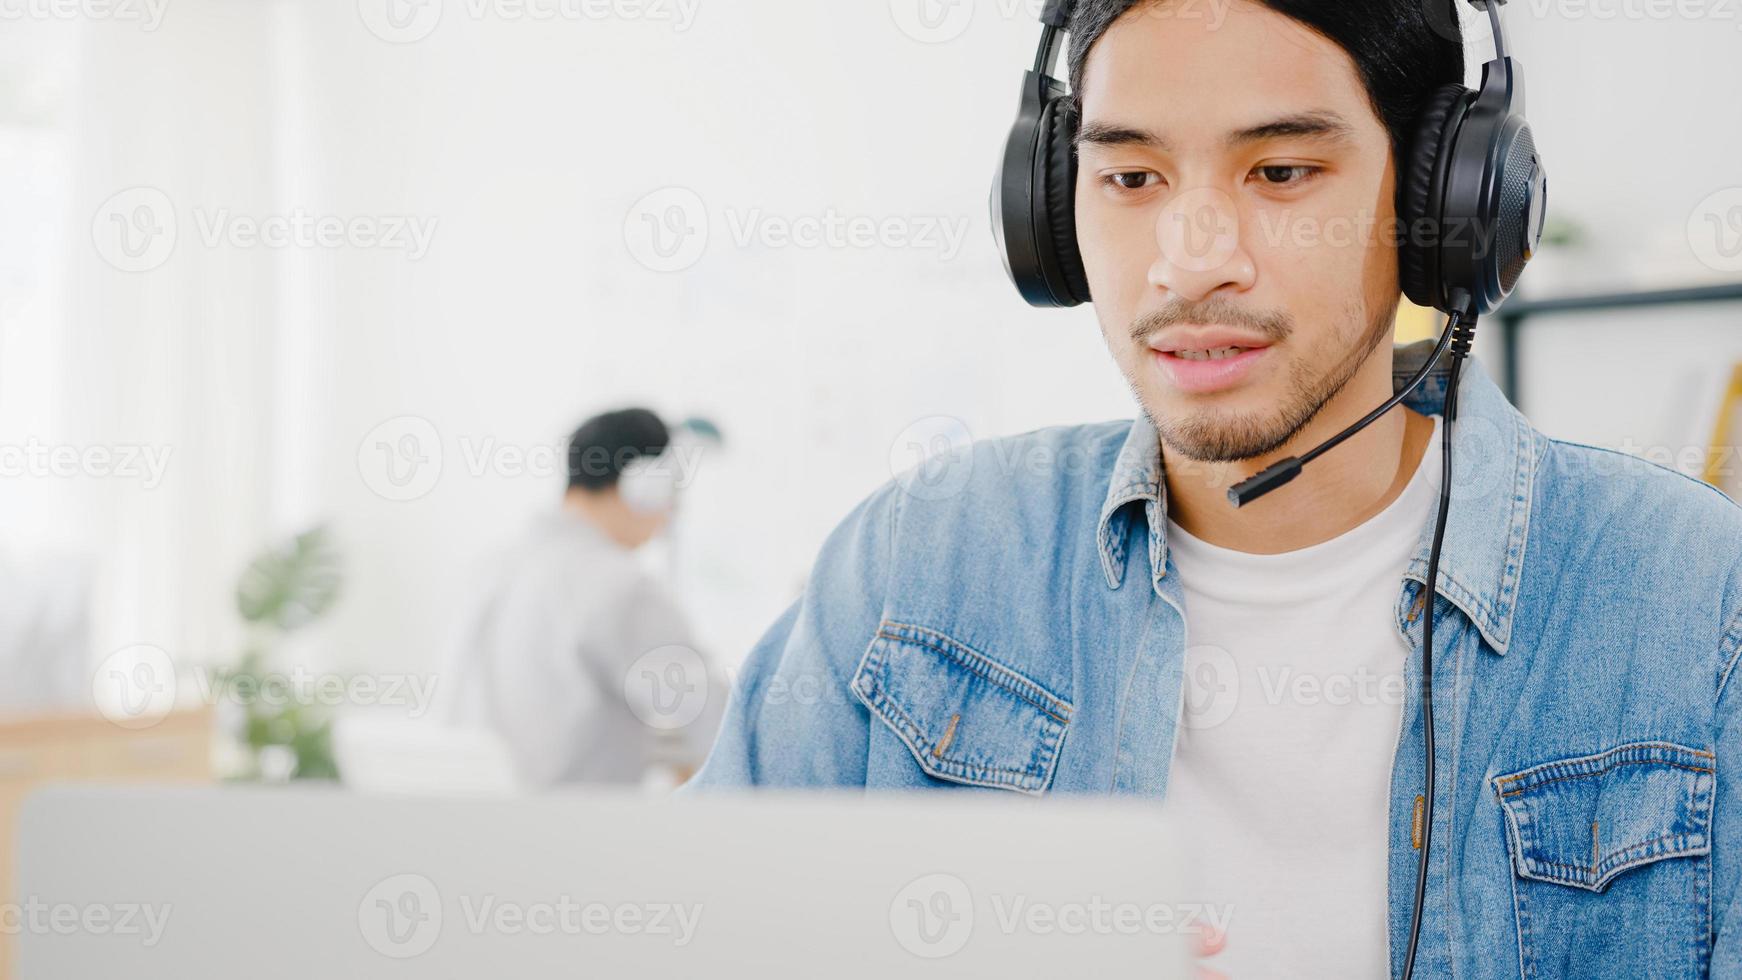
{"x":1273,"y":326}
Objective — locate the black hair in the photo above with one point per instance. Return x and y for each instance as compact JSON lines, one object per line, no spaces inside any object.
{"x":1404,"y":49}
{"x":606,"y":444}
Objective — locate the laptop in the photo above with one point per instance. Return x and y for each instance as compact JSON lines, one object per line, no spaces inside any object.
{"x":290,"y":882}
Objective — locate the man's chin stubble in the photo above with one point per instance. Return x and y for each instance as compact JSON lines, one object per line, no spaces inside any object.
{"x":1209,"y":437}
{"x":1218,"y":437}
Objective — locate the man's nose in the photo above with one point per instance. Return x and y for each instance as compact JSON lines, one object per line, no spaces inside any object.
{"x":1200,"y":245}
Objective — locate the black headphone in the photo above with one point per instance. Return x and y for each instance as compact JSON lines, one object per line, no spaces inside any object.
{"x":1471,"y":192}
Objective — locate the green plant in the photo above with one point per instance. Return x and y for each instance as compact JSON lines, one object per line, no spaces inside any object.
{"x":283,"y":590}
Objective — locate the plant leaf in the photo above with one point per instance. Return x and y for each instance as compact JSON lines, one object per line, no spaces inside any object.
{"x":292,"y":585}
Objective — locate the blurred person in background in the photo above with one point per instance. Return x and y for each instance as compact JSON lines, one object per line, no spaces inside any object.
{"x":574,"y":655}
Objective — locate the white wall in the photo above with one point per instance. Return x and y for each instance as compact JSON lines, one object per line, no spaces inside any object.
{"x":532,"y":144}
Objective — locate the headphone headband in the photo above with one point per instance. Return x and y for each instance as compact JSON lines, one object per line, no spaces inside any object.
{"x":1057,"y":13}
{"x":1057,"y":18}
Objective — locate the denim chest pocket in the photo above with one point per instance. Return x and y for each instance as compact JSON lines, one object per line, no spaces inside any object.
{"x":965,"y":717}
{"x":1611,"y":856}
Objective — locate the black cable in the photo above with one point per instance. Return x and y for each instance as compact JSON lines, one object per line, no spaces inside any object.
{"x":1463,"y":332}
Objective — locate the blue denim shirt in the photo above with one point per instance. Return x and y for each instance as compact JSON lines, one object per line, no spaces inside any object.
{"x":1010,"y":620}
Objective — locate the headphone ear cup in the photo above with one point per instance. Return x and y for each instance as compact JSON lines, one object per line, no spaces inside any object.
{"x":1420,"y":196}
{"x":1056,"y":159}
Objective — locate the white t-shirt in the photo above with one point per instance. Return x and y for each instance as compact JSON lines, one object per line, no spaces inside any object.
{"x":1292,"y":709}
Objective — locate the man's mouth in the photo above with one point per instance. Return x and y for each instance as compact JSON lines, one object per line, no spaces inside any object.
{"x":1210,"y":354}
{"x":1201,"y":358}
{"x":1203,"y":371}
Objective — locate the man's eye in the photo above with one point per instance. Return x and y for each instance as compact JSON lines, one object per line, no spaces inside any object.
{"x":1130,"y":180}
{"x":1286,"y":175}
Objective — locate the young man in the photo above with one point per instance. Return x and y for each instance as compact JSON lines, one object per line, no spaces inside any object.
{"x":554,"y":651}
{"x":1088,"y":614}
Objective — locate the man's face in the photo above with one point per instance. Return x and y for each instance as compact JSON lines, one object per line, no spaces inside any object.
{"x":1235,"y":190}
